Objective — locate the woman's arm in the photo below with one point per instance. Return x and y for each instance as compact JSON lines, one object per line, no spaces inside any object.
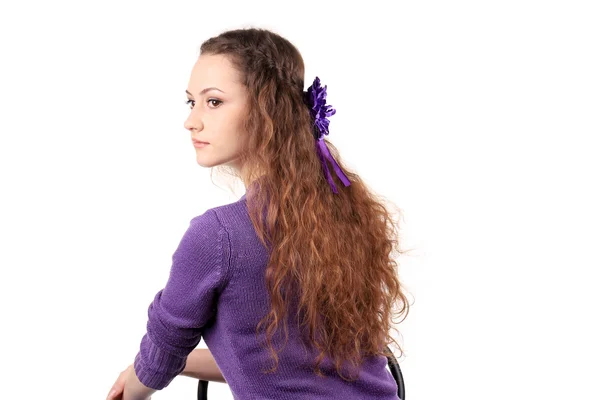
{"x":134,"y":389}
{"x":200,"y":364}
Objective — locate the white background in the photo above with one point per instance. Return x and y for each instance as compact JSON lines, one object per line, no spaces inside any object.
{"x":479,"y":119}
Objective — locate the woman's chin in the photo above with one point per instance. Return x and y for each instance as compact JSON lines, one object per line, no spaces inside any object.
{"x":202,"y":162}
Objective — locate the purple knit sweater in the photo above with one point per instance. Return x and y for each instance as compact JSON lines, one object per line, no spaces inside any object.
{"x":216,"y":291}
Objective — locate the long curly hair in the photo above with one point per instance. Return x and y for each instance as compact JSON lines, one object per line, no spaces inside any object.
{"x":333,"y":255}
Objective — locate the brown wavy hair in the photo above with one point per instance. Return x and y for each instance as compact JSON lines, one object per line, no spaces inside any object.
{"x":332,"y":254}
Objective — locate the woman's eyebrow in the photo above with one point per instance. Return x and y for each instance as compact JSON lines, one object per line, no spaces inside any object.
{"x":205,"y":90}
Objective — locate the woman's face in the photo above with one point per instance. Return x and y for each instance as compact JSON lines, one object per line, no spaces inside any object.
{"x":218,"y":103}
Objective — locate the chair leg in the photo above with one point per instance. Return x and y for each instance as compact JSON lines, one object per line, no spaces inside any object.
{"x":202,"y":389}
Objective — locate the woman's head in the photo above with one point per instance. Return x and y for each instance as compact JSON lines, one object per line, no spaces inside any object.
{"x":262,"y":126}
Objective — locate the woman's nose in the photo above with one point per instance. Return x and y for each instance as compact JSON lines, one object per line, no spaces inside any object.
{"x":192,"y":123}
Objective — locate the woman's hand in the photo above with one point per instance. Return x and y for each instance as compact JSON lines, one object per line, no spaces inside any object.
{"x":116,"y":392}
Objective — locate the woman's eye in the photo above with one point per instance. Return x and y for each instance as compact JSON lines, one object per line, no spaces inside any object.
{"x":190,"y":101}
{"x":218,"y":101}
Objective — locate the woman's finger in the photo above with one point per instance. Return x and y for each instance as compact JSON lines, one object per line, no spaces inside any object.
{"x":112,"y":394}
{"x":117,"y":389}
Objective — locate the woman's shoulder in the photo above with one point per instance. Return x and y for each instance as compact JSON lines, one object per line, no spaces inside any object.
{"x":228,"y":216}
{"x":207,"y":221}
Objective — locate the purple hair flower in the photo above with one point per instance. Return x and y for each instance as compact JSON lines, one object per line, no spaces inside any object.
{"x":315,"y":99}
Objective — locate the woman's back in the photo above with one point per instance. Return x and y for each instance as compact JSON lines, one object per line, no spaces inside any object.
{"x":232,"y":340}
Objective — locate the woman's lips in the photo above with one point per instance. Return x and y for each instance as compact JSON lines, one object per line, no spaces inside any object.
{"x":199,"y":144}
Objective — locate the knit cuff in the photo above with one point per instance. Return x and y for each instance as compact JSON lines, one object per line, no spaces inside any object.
{"x":154,"y":367}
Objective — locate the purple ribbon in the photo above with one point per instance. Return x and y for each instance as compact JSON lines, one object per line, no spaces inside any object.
{"x":315,"y":98}
{"x":325,"y":155}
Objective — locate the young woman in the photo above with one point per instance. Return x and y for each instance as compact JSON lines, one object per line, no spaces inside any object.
{"x":294,"y":286}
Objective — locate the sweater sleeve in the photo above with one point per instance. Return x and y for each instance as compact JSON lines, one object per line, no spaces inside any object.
{"x":179,"y":312}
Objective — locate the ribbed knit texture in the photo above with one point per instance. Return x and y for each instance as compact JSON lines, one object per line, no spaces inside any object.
{"x":216,"y":291}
